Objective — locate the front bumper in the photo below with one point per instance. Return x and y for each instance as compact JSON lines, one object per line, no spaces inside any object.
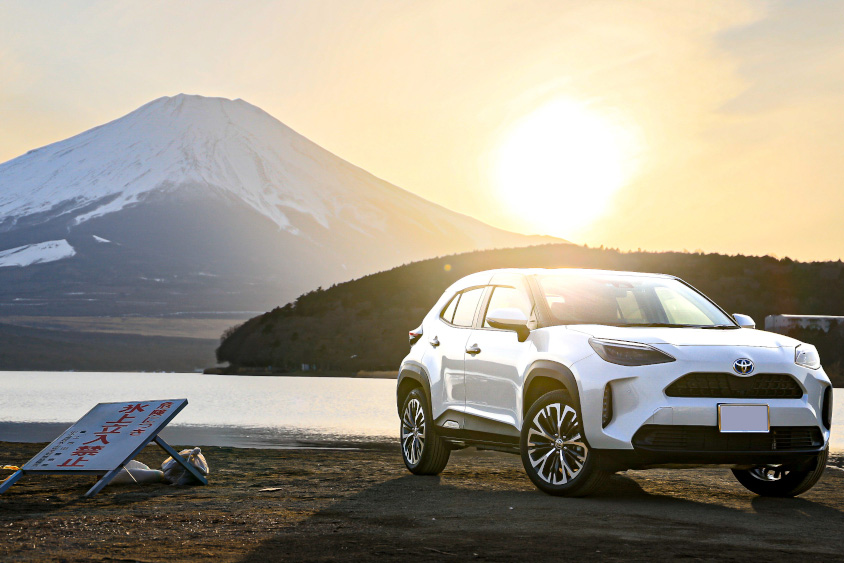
{"x":639,"y":400}
{"x":655,"y":445}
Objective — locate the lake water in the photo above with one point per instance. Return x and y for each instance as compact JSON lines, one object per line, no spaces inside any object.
{"x":242,"y":411}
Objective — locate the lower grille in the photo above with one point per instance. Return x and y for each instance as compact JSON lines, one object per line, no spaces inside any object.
{"x":727,"y":386}
{"x":709,"y":439}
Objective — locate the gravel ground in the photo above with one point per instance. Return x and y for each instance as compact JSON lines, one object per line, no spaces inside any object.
{"x":348,"y":505}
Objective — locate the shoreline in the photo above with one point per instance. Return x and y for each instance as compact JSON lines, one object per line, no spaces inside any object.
{"x":235,"y":437}
{"x":222,"y":371}
{"x":256,"y":372}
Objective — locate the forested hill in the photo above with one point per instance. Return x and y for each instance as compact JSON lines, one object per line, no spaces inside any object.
{"x":363,"y":324}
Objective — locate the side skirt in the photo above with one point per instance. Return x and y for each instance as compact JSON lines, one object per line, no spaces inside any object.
{"x":498,"y":439}
{"x":468,"y":439}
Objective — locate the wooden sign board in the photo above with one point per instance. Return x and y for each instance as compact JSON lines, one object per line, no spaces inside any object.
{"x":105,"y":439}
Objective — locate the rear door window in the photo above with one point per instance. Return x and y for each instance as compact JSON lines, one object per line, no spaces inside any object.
{"x":464,"y":314}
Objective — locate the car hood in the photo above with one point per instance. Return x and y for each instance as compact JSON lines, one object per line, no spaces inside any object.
{"x":689,"y":336}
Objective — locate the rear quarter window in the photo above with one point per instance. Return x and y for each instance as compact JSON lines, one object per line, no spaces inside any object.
{"x":447,"y":313}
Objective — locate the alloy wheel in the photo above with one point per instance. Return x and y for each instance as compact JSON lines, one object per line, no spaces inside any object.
{"x":413,"y":431}
{"x":555,"y":444}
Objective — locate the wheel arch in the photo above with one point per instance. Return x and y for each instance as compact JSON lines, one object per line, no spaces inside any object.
{"x":544,"y":376}
{"x":410,"y":377}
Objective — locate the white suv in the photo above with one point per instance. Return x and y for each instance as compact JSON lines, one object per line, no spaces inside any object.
{"x":588,"y":372}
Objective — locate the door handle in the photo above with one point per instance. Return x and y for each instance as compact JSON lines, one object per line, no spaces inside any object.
{"x":473,"y":349}
{"x":434,"y":342}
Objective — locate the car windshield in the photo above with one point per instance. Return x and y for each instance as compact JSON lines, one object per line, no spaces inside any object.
{"x":625,"y":300}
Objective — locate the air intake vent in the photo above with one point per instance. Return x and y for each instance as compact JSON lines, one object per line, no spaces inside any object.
{"x":708,"y":439}
{"x":827,"y":408}
{"x":728,"y":386}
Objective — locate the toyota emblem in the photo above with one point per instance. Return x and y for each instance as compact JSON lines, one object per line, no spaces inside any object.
{"x":743,"y":366}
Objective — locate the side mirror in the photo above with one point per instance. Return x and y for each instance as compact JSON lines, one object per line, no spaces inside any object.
{"x":509,"y":318}
{"x":744,"y":321}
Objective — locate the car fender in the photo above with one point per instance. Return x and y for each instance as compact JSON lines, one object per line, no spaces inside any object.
{"x":555,"y":370}
{"x":412,"y":370}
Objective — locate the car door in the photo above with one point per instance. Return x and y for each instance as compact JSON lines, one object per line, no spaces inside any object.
{"x":448,"y":350}
{"x":493,"y":378}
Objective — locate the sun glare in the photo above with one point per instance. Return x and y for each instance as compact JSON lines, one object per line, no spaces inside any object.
{"x":559,"y":166}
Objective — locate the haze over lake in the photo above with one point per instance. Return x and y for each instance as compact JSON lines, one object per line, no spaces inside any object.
{"x":241,"y":411}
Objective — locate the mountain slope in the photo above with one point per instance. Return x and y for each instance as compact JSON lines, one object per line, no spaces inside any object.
{"x":193,"y":204}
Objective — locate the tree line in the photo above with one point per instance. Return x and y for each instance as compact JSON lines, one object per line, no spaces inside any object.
{"x":363,"y":324}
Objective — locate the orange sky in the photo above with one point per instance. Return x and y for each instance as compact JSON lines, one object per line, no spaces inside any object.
{"x":722,"y":121}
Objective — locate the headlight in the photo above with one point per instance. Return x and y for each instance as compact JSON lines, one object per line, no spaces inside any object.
{"x":807,"y":356}
{"x":628,"y":353}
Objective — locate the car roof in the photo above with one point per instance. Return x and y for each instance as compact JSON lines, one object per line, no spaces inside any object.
{"x":568,"y":271}
{"x":484,"y":277}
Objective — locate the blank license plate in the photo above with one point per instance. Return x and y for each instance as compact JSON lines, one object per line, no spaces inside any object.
{"x":743,"y":418}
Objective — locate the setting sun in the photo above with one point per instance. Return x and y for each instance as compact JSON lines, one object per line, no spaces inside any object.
{"x":561,"y":163}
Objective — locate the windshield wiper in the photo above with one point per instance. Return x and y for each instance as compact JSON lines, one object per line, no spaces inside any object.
{"x":720,"y":327}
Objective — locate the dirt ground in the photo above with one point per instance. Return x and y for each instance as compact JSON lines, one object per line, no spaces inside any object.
{"x":351,"y":505}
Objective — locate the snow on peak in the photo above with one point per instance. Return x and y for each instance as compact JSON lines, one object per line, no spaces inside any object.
{"x":227,"y":146}
{"x":39,"y":253}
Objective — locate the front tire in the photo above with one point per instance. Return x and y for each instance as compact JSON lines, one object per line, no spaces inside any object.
{"x":554,"y":451}
{"x":779,"y":480}
{"x":422,"y":449}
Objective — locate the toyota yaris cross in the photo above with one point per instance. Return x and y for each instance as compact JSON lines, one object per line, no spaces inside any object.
{"x":587,"y":372}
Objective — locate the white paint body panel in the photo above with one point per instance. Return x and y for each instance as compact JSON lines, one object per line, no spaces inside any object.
{"x":494,"y":376}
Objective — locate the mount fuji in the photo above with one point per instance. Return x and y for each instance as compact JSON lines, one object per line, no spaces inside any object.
{"x":190,"y":205}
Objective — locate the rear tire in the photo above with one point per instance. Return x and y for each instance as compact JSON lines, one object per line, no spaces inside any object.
{"x":555,"y":453}
{"x":422,"y":449}
{"x":780,"y":481}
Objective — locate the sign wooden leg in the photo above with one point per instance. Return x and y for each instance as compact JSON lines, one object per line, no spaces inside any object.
{"x":98,"y":486}
{"x":182,"y":461}
{"x":10,"y":480}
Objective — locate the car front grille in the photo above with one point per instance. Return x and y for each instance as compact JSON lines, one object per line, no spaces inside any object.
{"x":728,"y":386}
{"x":710,"y":439}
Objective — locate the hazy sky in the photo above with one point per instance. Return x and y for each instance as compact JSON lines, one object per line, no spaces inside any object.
{"x":709,"y":125}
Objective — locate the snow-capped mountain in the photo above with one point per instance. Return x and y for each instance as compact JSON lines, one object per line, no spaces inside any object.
{"x":191,"y":203}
